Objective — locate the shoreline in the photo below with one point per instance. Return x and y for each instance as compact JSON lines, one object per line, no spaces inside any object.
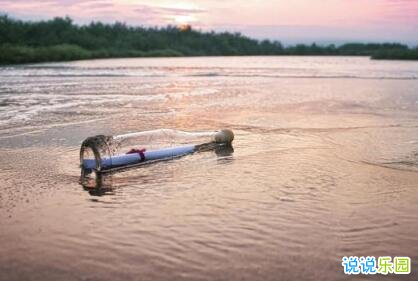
{"x":166,"y":53}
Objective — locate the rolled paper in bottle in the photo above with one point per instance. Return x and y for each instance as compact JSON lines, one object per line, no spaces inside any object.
{"x":134,"y":158}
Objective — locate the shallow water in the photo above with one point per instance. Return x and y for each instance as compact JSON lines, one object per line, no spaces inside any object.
{"x":325,"y":165}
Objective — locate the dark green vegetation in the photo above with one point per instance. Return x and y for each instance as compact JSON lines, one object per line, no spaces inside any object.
{"x":410,"y":54}
{"x":60,"y":40}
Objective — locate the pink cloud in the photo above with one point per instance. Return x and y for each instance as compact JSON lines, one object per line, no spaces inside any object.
{"x":371,"y":18}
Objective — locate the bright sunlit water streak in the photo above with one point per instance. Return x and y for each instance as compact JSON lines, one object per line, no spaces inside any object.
{"x":324,"y":165}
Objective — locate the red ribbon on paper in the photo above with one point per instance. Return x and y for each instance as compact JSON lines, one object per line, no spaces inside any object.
{"x":139,"y":151}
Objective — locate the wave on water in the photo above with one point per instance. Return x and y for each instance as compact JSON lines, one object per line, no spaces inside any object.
{"x":211,"y":74}
{"x":109,"y":86}
{"x":403,"y":165}
{"x":302,"y":76}
{"x":271,"y":67}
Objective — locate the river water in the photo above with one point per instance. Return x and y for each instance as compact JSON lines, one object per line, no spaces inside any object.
{"x":324,"y":165}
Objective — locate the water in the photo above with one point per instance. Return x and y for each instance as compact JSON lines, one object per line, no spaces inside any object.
{"x":325,"y":165}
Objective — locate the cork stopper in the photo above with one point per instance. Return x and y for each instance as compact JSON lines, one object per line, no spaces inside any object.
{"x":224,"y":136}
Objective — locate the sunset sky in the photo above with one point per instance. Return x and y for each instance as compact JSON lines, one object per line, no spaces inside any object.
{"x":289,"y":21}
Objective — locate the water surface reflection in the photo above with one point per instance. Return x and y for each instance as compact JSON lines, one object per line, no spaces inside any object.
{"x":324,"y":165}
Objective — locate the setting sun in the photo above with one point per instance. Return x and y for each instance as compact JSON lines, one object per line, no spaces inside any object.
{"x":184,"y":20}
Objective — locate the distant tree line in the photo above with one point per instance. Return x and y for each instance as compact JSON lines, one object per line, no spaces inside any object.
{"x":60,"y":39}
